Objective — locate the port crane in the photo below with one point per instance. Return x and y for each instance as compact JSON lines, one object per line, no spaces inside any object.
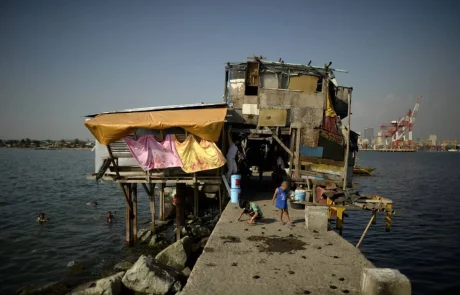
{"x":399,"y":132}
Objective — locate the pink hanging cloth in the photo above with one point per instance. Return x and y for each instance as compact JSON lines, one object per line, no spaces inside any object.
{"x":151,"y":154}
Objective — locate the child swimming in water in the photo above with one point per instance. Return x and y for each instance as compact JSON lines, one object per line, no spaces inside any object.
{"x":252,"y":210}
{"x":109,"y":217}
{"x":42,"y":217}
{"x":281,"y":196}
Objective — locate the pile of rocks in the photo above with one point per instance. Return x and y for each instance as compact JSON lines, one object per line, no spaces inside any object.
{"x":166,"y":273}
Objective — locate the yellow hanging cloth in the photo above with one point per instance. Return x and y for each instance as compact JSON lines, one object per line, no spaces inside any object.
{"x":330,"y":112}
{"x":198,"y":156}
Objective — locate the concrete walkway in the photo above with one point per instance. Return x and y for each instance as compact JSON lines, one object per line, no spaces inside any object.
{"x":271,"y":258}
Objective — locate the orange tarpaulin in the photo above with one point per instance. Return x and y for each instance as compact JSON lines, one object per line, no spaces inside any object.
{"x":205,"y":123}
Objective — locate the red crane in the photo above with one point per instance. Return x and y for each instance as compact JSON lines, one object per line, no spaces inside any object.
{"x":398,"y":133}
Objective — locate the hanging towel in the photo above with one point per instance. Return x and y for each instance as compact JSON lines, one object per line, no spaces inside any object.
{"x":199,"y":156}
{"x":151,"y":154}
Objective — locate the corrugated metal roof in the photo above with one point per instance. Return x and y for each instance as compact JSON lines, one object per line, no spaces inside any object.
{"x":163,"y":108}
{"x":284,"y":66}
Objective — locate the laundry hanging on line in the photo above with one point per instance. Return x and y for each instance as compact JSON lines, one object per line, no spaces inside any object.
{"x":151,"y":154}
{"x":198,"y":156}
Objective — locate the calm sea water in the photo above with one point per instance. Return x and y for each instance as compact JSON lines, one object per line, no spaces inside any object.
{"x":424,"y":242}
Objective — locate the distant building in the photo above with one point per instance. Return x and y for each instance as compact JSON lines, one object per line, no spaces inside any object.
{"x":434,"y":139}
{"x":379,"y":138}
{"x":369,"y":134}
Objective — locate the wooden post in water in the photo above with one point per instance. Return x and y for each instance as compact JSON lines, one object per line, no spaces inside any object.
{"x":162,"y":201}
{"x":134,"y":213}
{"x":389,"y":212}
{"x":374,"y":212}
{"x":339,"y":220}
{"x":180,"y":203}
{"x":152,"y":204}
{"x":129,"y":227}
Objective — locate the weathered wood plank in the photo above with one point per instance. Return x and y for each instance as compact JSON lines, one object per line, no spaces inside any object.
{"x":304,"y":160}
{"x":134,"y":215}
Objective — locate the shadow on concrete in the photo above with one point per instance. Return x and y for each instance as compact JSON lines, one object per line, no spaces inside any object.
{"x":266,"y":221}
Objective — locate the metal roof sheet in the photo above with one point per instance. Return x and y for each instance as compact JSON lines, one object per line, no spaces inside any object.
{"x":163,"y":108}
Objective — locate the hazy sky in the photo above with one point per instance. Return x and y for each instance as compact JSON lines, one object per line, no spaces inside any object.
{"x":60,"y":60}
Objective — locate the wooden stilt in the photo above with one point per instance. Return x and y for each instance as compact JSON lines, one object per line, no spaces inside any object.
{"x":134,"y":215}
{"x":152,"y":204}
{"x":150,"y":191}
{"x":367,"y":228}
{"x":339,"y":220}
{"x":180,"y":199}
{"x":129,"y":233}
{"x":162,"y":201}
{"x":195,"y":196}
{"x":178,"y":211}
{"x":220,"y":199}
{"x":389,"y":212}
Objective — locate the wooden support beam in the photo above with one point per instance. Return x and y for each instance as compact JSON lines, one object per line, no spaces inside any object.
{"x":389,"y":211}
{"x":367,"y":228}
{"x":152,"y":204}
{"x":129,"y":227}
{"x":297,"y":153}
{"x":339,"y":220}
{"x":306,"y":160}
{"x":195,"y":197}
{"x":125,"y":193}
{"x":180,"y":202}
{"x":115,"y":164}
{"x":291,"y":155}
{"x":275,"y":137}
{"x":162,"y":201}
{"x":134,"y":215}
{"x":150,"y":191}
{"x":220,"y":199}
{"x":146,"y":189}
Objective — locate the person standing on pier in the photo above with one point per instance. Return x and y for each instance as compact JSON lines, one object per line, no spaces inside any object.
{"x":231,"y":155}
{"x":281,"y":196}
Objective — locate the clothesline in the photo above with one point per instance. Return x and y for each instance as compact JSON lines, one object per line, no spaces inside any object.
{"x":190,"y":155}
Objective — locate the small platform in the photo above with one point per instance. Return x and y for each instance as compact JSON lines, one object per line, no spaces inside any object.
{"x":271,"y":258}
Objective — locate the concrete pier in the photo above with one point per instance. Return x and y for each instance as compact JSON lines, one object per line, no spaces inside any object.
{"x":272,"y":258}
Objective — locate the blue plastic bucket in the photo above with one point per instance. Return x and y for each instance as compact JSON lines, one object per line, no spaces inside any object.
{"x":299,"y":195}
{"x":235,"y":181}
{"x":235,"y":195}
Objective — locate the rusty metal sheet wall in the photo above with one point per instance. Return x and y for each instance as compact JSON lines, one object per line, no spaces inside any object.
{"x":237,"y":92}
{"x":270,"y":117}
{"x":304,"y":83}
{"x":285,"y":99}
